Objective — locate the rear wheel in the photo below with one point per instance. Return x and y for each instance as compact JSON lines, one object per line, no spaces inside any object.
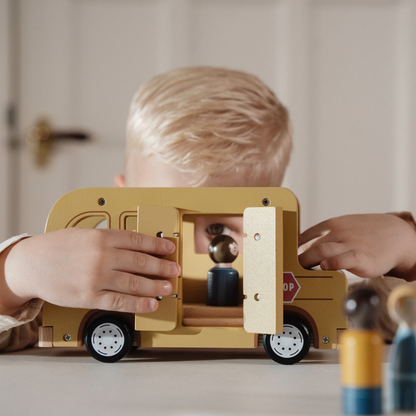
{"x":108,"y":339}
{"x":292,"y":345}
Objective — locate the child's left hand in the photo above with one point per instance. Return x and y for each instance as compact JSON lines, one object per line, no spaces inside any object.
{"x":367,"y":245}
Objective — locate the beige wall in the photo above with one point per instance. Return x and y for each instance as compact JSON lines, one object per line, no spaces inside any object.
{"x":344,"y":68}
{"x":353,"y":113}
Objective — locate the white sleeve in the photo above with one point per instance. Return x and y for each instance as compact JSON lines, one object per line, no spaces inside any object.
{"x":11,"y":241}
{"x":26,"y":313}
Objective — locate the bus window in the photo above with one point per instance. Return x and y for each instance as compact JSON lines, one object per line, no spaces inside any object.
{"x":130,"y":223}
{"x":92,"y":221}
{"x":209,"y":226}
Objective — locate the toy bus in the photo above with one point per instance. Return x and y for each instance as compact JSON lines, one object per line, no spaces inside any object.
{"x":283,"y":307}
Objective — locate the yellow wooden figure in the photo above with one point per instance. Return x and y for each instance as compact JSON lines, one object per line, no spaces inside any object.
{"x":361,"y":356}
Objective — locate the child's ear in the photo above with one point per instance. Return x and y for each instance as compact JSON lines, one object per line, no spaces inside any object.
{"x":119,"y":181}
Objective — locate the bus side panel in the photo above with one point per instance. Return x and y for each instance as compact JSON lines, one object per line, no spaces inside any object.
{"x":322,"y":296}
{"x":65,"y":323}
{"x":196,"y":337}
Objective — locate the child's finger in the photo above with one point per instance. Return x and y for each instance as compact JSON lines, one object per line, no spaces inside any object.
{"x":113,"y":301}
{"x":312,"y":243}
{"x":133,"y":241}
{"x":319,"y":252}
{"x":137,"y":285}
{"x":355,"y":261}
{"x":313,"y":233}
{"x":141,"y":263}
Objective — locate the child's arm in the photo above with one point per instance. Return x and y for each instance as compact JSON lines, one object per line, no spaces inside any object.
{"x":367,"y":245}
{"x":87,"y":268}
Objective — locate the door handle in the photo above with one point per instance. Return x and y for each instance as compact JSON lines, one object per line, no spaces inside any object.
{"x":42,"y":137}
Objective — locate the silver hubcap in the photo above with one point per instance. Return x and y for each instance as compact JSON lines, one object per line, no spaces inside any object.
{"x":107,"y":339}
{"x":288,"y":344}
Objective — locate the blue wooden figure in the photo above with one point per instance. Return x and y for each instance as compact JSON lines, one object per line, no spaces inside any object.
{"x":223,"y":279}
{"x":402,"y":363}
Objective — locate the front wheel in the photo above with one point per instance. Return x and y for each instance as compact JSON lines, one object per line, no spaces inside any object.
{"x":108,"y":339}
{"x":291,"y":346}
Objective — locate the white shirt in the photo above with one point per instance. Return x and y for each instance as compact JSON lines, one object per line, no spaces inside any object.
{"x":24,"y":315}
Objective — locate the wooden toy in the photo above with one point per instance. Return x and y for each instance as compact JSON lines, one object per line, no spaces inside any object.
{"x":223,"y":279}
{"x":361,"y":355}
{"x":282,"y":306}
{"x":402,"y":362}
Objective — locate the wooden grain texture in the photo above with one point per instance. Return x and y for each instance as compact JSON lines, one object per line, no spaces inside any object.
{"x":200,"y":315}
{"x":45,"y":336}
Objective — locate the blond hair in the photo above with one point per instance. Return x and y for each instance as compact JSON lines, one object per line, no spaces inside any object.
{"x":211,"y":122}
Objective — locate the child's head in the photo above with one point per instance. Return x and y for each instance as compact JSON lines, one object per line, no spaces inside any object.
{"x":205,"y":126}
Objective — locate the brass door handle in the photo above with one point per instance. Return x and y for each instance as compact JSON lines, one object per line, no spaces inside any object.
{"x":41,"y":137}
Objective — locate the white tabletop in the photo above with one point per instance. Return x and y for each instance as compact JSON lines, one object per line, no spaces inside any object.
{"x":181,"y":382}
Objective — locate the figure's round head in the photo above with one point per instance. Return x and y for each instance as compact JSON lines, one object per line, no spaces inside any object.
{"x":401,"y":305}
{"x":223,"y":249}
{"x":362,"y":307}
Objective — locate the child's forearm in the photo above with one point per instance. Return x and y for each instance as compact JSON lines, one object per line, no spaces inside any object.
{"x":10,"y":302}
{"x":405,"y":273}
{"x":407,"y":270}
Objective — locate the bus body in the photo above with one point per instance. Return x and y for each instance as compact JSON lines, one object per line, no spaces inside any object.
{"x":283,"y":306}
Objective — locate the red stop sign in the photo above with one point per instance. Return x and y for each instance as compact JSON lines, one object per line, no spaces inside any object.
{"x":291,"y":287}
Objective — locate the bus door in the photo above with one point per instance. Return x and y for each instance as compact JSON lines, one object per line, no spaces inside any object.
{"x":263,"y":270}
{"x":163,"y":222}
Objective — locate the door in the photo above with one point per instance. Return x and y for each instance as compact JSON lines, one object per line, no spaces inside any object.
{"x":263,"y":270}
{"x":74,"y":75}
{"x":163,"y":222}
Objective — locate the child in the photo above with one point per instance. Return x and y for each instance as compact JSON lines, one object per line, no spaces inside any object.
{"x":189,"y":127}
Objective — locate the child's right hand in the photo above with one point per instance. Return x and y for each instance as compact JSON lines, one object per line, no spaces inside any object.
{"x":87,"y":268}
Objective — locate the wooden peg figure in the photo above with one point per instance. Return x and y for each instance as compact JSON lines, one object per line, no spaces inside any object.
{"x":361,"y":355}
{"x":223,"y":279}
{"x":401,"y":305}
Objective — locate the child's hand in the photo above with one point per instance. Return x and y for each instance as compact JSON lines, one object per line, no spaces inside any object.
{"x":367,"y":245}
{"x":87,"y":268}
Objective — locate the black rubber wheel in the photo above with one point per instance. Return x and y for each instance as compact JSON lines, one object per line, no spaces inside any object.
{"x":108,"y":339}
{"x":291,"y":346}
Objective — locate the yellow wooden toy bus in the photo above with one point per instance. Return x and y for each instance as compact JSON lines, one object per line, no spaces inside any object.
{"x":283,"y":307}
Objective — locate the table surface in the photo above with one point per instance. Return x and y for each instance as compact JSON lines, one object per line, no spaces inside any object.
{"x":67,"y":381}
